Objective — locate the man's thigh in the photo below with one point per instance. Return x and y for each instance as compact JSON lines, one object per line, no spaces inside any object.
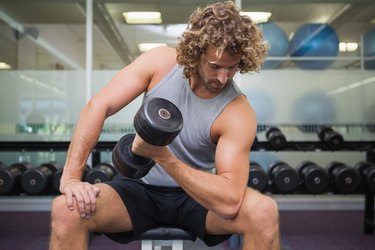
{"x":111,"y":214}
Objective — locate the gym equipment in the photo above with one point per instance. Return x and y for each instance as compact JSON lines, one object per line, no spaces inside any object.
{"x":367,"y":171}
{"x":313,"y":177}
{"x":101,"y":172}
{"x":157,"y":238}
{"x":278,"y":43}
{"x":10,"y":177}
{"x":369,"y":48}
{"x":275,"y":138}
{"x":345,"y":179}
{"x":37,"y":180}
{"x":314,"y":40}
{"x":332,"y":138}
{"x":263,"y":105}
{"x":283,"y":177}
{"x":58,"y":174}
{"x":255,"y":142}
{"x":257,"y":177}
{"x":313,"y":108}
{"x":157,"y":122}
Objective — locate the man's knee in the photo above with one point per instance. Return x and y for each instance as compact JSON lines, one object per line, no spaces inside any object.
{"x":61,"y":217}
{"x":262,"y":211}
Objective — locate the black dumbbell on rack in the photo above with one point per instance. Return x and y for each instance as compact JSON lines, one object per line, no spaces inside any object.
{"x":39,"y":180}
{"x":157,"y":122}
{"x":276,"y":138}
{"x":367,"y":171}
{"x":257,"y":177}
{"x":101,"y":172}
{"x":344,"y":179}
{"x":283,"y":177}
{"x":313,"y":178}
{"x":10,"y":177}
{"x":331,"y":138}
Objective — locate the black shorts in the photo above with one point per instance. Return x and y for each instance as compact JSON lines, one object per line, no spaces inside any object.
{"x":152,"y":206}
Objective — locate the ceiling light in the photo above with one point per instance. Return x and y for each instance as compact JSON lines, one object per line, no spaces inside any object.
{"x":258,"y":17}
{"x":147,"y":46}
{"x":4,"y":65}
{"x":348,"y":47}
{"x":142,"y":17}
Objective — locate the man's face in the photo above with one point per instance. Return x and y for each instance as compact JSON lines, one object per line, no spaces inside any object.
{"x":217,"y":71}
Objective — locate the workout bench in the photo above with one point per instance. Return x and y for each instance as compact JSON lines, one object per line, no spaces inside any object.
{"x":158,"y":237}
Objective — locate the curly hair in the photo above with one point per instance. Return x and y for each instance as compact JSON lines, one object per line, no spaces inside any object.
{"x":220,"y":25}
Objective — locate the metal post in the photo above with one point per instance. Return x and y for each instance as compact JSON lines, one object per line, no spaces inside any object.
{"x":89,"y":52}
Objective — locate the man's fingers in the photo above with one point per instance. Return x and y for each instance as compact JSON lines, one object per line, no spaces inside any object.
{"x":84,"y":194}
{"x":69,"y":200}
{"x":92,"y":195}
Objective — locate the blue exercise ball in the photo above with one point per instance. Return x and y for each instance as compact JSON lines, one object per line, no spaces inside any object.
{"x":312,"y":109}
{"x":278,"y":43}
{"x":263,"y":105}
{"x":369,"y":48}
{"x":314,"y":40}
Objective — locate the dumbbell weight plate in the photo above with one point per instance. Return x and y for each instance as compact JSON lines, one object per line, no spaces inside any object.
{"x":100,"y":173}
{"x":127,"y":163}
{"x":333,"y":139}
{"x":323,"y":131}
{"x":313,"y":177}
{"x":257,"y":178}
{"x":158,"y":121}
{"x":10,"y":176}
{"x":36,"y":180}
{"x":367,"y":171}
{"x":283,"y":177}
{"x":346,"y":179}
{"x":276,"y":138}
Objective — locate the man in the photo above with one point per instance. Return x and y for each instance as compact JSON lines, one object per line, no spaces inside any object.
{"x":199,"y":181}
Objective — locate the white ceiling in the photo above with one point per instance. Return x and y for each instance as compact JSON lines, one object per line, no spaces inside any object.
{"x":115,"y":43}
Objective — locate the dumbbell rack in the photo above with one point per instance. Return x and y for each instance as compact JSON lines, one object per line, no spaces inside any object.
{"x":304,"y":146}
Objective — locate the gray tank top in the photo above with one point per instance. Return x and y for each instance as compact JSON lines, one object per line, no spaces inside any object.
{"x":193,"y":145}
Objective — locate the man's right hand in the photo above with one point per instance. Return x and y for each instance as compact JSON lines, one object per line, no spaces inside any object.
{"x":84,"y":193}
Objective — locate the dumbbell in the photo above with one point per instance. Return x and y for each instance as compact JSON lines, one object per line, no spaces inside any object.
{"x":101,"y":172}
{"x":313,"y":177}
{"x":58,"y":174}
{"x":10,"y":176}
{"x":367,"y":171}
{"x":37,"y":180}
{"x":331,"y":138}
{"x":275,"y":138}
{"x":257,"y":177}
{"x":283,"y":177}
{"x":255,"y":142}
{"x":344,"y":178}
{"x":157,"y":122}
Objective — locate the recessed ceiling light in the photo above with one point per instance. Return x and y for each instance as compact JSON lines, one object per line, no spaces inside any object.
{"x":150,"y":17}
{"x":4,"y":65}
{"x":348,"y":47}
{"x":258,"y":17}
{"x":147,"y":46}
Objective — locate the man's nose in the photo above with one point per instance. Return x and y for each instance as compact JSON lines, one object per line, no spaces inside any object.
{"x":223,"y":76}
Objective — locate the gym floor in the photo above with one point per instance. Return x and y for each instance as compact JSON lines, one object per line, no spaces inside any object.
{"x":300,"y":230}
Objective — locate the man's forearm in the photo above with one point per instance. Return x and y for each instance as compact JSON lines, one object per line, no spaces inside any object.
{"x":83,"y":141}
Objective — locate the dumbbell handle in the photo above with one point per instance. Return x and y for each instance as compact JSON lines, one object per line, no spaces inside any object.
{"x":128,"y":163}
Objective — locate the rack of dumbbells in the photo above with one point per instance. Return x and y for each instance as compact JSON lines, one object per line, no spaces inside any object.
{"x":307,"y":177}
